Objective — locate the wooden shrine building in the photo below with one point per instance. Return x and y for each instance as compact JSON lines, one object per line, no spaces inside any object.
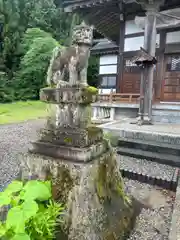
{"x":128,"y":25}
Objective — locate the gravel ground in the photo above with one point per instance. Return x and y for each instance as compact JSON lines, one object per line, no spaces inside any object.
{"x":145,"y":167}
{"x":15,"y":139}
{"x":154,"y":219}
{"x":175,"y":221}
{"x":153,"y":222}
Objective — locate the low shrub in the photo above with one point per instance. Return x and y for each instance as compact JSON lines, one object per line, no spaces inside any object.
{"x":6,"y":90}
{"x":32,"y":214}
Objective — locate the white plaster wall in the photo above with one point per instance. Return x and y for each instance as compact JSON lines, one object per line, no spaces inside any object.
{"x":157,"y":40}
{"x":131,"y":27}
{"x":111,"y":69}
{"x":108,"y":64}
{"x":108,"y":59}
{"x":133,"y":44}
{"x":173,"y":37}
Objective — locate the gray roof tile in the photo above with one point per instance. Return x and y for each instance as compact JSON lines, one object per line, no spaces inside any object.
{"x":104,"y":45}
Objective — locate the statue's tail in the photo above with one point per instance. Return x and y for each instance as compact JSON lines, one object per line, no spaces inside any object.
{"x":55,"y":54}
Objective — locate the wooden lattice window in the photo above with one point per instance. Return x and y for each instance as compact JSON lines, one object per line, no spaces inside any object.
{"x":108,"y":81}
{"x":173,"y":63}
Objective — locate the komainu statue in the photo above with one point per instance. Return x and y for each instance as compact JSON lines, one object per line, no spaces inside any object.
{"x":70,"y":64}
{"x":68,"y":67}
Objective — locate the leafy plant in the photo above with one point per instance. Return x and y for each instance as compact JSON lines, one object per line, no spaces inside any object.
{"x":93,"y":72}
{"x":33,"y":215}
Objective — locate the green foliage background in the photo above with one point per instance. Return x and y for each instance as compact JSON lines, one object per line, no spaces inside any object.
{"x":31,"y":74}
{"x":30,"y":29}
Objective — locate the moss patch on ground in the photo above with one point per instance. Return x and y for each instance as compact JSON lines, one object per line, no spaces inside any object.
{"x":22,"y":111}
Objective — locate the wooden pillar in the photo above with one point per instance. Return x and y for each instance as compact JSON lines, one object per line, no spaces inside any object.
{"x":120,"y":60}
{"x":160,"y":65}
{"x":150,"y":47}
{"x":142,"y":95}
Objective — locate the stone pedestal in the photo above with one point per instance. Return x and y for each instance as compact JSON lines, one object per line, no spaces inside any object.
{"x":97,"y":207}
{"x":70,"y":135}
{"x":82,"y":167}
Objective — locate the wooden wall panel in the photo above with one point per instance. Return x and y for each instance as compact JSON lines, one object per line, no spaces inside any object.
{"x":131,"y":83}
{"x":171,"y":83}
{"x":131,"y":77}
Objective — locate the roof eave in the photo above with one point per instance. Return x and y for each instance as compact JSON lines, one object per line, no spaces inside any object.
{"x":70,"y":7}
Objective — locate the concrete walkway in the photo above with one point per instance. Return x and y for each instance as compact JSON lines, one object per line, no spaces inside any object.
{"x":161,"y":128}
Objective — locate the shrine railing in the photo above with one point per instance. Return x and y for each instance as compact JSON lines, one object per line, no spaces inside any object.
{"x":101,"y":113}
{"x":119,"y":97}
{"x":104,"y":109}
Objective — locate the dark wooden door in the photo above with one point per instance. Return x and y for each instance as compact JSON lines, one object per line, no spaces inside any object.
{"x":131,"y":78}
{"x":171,"y":82}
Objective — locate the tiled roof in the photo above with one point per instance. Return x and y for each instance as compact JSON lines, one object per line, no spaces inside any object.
{"x":104,"y":46}
{"x":104,"y":14}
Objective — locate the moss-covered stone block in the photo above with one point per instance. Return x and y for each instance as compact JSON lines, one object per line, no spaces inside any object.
{"x":74,"y":137}
{"x":69,"y":94}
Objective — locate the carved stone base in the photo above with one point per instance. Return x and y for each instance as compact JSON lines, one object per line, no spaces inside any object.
{"x":69,"y":94}
{"x":144,"y":121}
{"x":69,"y":153}
{"x":97,"y":208}
{"x":75,"y":137}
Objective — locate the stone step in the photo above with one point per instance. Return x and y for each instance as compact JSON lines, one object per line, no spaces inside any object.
{"x":161,"y":148}
{"x":166,"y":119}
{"x":160,"y":139}
{"x":166,"y":115}
{"x":167,"y":112}
{"x":149,"y":172}
{"x":168,"y":159}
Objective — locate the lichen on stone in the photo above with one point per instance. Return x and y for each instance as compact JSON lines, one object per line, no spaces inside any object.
{"x":88,"y":94}
{"x":92,"y":90}
{"x":68,"y":140}
{"x":93,"y":130}
{"x":62,"y":184}
{"x":109,"y":180}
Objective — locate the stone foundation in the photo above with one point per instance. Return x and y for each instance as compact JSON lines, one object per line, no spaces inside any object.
{"x":69,"y":153}
{"x":97,"y":207}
